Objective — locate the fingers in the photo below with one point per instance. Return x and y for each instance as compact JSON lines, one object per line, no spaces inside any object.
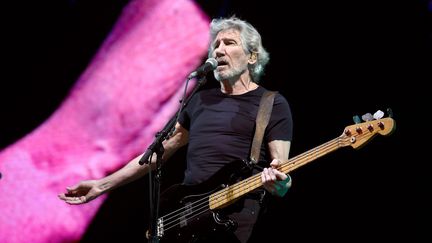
{"x":267,"y":183}
{"x":76,"y":200}
{"x":73,"y":189}
{"x":275,"y":163}
{"x":270,"y":174}
{"x":72,"y":200}
{"x":76,"y":194}
{"x":268,"y":177}
{"x":274,"y":181}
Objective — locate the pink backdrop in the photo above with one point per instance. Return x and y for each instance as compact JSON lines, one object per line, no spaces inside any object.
{"x":127,"y":93}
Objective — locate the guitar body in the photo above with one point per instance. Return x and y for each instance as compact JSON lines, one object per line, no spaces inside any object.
{"x":185,"y":208}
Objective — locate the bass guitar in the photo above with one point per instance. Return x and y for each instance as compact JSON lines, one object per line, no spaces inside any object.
{"x":190,"y":210}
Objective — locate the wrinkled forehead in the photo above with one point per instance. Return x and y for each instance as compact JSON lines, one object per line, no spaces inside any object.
{"x":229,"y":34}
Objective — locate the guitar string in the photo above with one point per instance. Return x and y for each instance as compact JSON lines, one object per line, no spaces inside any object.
{"x":193,"y":214}
{"x":185,"y":208}
{"x":291,"y":163}
{"x":217,"y":196}
{"x":296,"y":161}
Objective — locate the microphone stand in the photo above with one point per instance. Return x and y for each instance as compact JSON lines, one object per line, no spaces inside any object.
{"x":154,"y":232}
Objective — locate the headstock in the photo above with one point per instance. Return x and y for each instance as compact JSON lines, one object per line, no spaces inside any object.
{"x":358,"y":134}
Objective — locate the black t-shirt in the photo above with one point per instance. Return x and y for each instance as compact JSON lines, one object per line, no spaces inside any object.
{"x":221,"y":129}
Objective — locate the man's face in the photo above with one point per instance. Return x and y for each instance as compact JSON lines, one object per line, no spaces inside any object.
{"x":231,"y":57}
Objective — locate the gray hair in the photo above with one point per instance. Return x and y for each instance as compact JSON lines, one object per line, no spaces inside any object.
{"x":251,"y":41}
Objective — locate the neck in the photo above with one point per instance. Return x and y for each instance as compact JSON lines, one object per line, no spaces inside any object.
{"x":238,"y":86}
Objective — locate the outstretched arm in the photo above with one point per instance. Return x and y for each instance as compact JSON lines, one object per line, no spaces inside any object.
{"x":88,"y":190}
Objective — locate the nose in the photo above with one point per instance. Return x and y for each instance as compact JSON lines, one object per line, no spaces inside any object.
{"x":219,"y":50}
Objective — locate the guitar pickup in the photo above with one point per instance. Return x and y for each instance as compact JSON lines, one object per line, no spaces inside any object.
{"x":184,"y":218}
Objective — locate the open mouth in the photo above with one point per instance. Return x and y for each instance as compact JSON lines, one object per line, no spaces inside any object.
{"x":222,"y":63}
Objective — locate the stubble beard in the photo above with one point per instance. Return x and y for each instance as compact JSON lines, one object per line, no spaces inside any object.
{"x":232,"y":74}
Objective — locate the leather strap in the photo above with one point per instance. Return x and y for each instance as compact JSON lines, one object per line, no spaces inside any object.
{"x":262,"y":119}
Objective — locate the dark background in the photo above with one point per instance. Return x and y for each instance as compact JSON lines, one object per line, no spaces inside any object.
{"x":331,"y":59}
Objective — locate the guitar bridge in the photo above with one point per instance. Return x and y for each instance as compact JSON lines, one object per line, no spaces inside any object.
{"x":160,"y":227}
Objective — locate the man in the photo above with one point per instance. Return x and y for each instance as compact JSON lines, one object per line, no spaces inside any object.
{"x":218,"y":126}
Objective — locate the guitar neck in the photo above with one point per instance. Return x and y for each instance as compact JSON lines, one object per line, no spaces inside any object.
{"x":310,"y":155}
{"x":230,"y":193}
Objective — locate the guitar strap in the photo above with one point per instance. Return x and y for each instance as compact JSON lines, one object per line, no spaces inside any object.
{"x":262,"y":119}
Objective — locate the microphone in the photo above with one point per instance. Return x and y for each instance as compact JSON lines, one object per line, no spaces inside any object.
{"x":210,"y":65}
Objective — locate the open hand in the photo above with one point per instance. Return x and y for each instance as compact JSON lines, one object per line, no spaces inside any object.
{"x":83,"y":192}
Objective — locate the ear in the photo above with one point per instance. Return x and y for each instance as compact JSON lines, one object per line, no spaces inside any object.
{"x":253,"y":58}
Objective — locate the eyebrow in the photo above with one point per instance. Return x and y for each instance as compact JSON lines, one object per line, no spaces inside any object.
{"x":223,"y":39}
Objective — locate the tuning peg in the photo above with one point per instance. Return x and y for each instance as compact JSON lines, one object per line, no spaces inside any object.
{"x":378,"y":115}
{"x":356,"y":119}
{"x":389,"y":112}
{"x":367,"y":117}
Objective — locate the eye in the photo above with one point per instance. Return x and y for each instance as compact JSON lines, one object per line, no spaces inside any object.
{"x":231,"y":42}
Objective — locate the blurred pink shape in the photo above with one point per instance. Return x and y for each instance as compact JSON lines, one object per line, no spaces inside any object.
{"x":127,"y":94}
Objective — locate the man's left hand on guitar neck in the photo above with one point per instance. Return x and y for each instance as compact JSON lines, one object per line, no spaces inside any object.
{"x":274,"y":181}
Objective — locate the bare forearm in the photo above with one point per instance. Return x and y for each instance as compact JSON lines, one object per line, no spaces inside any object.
{"x":133,"y":170}
{"x":86,"y":191}
{"x":130,"y":172}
